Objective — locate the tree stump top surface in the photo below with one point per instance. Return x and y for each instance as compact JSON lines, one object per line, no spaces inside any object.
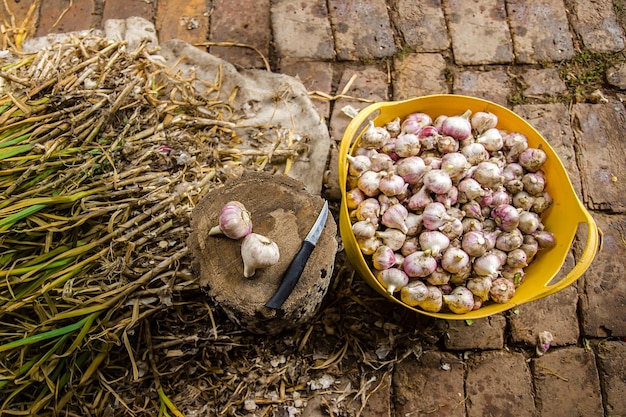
{"x":280,"y":209}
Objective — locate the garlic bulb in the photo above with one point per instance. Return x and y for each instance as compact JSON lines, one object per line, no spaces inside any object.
{"x":368,"y":245}
{"x":482,"y":121}
{"x":434,"y":299}
{"x":391,"y":237}
{"x":258,"y":251}
{"x":480,"y":286}
{"x":393,"y":279}
{"x":544,"y":339}
{"x":364,"y":228}
{"x":234,"y":220}
{"x":502,"y":290}
{"x":532,"y":159}
{"x":395,"y":217}
{"x":374,"y":137}
{"x":460,"y":300}
{"x":383,"y":258}
{"x":413,"y":293}
{"x":458,"y":126}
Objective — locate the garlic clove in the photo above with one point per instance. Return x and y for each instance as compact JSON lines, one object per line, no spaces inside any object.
{"x":258,"y":251}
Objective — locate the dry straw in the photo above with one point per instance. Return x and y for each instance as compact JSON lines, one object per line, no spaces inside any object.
{"x":103,"y":154}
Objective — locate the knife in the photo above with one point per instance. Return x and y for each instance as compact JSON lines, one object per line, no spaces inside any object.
{"x":297,"y":265}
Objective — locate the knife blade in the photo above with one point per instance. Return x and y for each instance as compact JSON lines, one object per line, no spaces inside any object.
{"x":291,"y":277}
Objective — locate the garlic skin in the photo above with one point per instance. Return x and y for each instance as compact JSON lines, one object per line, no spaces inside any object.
{"x":258,"y":251}
{"x":234,"y":221}
{"x":544,"y":339}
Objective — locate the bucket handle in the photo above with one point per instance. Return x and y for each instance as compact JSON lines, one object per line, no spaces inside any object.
{"x":593,"y":245}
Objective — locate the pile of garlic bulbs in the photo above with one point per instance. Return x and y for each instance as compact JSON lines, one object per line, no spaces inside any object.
{"x":448,"y":211}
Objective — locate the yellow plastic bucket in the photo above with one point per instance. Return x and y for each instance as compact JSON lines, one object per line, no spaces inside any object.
{"x":562,"y":218}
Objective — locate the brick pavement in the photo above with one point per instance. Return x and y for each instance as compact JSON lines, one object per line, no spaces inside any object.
{"x":485,"y":48}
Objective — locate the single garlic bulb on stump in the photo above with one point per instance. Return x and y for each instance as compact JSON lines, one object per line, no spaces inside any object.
{"x":281,"y":211}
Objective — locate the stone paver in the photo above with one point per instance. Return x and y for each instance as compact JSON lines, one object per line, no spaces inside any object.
{"x":121,"y":9}
{"x":553,"y":122}
{"x":421,"y":24}
{"x":362,"y":29}
{"x":78,"y":16}
{"x":484,"y":20}
{"x":567,"y":373}
{"x":244,"y":22}
{"x":616,"y":76}
{"x":600,"y":132}
{"x":555,"y":314}
{"x":498,"y":384}
{"x":419,"y":75}
{"x":540,"y":31}
{"x":611,"y":358}
{"x":370,"y":83}
{"x":315,"y":76}
{"x":540,"y":82}
{"x":302,"y":30}
{"x":597,"y":25}
{"x":603,"y":297}
{"x":431,"y":385}
{"x":187,"y":21}
{"x":490,"y":85}
{"x":485,"y":333}
{"x":379,"y":403}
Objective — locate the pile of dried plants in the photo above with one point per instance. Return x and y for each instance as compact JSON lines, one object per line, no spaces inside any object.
{"x":103,"y":154}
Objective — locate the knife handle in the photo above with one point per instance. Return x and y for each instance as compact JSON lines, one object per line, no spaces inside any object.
{"x":291,"y":276}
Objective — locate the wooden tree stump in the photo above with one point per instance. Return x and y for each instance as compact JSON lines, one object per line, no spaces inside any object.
{"x":282,"y":210}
